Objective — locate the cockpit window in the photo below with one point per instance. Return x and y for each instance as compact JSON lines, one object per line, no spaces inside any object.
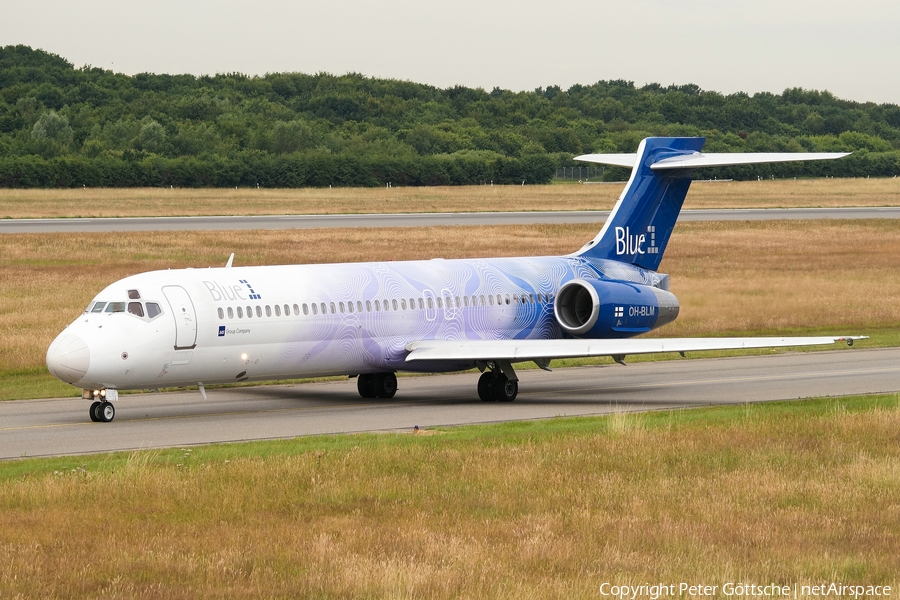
{"x":134,"y":295}
{"x":153,"y":309}
{"x":113,"y":307}
{"x":98,"y":307}
{"x":135,"y":308}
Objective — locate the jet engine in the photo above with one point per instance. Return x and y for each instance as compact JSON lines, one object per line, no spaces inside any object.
{"x":593,"y":308}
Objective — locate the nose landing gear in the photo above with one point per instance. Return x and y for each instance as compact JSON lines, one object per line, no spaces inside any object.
{"x":102,"y":410}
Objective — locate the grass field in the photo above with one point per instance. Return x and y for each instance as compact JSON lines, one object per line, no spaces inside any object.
{"x":131,"y":202}
{"x":731,"y":278}
{"x":799,"y":492}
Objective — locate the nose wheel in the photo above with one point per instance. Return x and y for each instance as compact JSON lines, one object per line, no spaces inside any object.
{"x":102,"y":412}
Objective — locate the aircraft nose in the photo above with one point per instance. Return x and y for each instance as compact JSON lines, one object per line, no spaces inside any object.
{"x":68,"y":358}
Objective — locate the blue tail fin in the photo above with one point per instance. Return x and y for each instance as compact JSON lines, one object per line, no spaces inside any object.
{"x":642,"y":221}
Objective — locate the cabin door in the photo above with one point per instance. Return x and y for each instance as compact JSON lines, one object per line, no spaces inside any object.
{"x":185,"y":316}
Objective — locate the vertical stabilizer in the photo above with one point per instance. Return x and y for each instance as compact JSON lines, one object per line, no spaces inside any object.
{"x":642,"y":221}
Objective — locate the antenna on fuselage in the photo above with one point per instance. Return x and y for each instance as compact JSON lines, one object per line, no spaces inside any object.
{"x":230,"y":260}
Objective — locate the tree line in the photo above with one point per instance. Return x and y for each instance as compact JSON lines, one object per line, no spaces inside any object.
{"x":62,"y":126}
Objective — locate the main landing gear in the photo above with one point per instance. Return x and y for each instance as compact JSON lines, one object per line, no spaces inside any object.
{"x":498,"y":383}
{"x":102,"y":410}
{"x":377,"y":385}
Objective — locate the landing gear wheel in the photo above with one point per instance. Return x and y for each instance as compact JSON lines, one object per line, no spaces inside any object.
{"x":385,"y":385}
{"x":502,"y":389}
{"x":95,"y":412}
{"x":365,"y":384}
{"x":484,"y":386}
{"x":505,"y":390}
{"x":107,"y":412}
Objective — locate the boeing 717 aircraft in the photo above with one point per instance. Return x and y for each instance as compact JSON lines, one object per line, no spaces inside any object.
{"x":370,"y":320}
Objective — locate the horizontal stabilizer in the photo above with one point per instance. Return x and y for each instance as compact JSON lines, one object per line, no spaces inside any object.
{"x":697,"y":160}
{"x":522,"y":350}
{"x":615,"y":160}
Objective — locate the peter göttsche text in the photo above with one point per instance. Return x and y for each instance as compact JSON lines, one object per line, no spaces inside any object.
{"x":743,"y":590}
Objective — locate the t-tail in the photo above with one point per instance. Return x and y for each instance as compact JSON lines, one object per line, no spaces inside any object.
{"x":641,"y":223}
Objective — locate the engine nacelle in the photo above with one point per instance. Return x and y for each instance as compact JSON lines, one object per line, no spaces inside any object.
{"x":592,"y":308}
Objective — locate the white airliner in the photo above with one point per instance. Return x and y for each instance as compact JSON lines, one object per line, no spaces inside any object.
{"x":370,"y":320}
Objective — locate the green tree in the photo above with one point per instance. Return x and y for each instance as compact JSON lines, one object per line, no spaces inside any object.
{"x":52,"y":135}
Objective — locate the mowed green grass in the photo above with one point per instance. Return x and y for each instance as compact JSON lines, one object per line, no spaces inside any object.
{"x":794,"y":492}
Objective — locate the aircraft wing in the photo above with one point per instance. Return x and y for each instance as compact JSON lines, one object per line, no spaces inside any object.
{"x":524,"y":350}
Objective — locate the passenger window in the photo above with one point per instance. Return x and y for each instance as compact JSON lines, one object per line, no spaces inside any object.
{"x":440,"y":304}
{"x":230,"y":313}
{"x":532,"y":298}
{"x":466,"y":301}
{"x":368,"y":306}
{"x":457,"y":301}
{"x":315,"y":311}
{"x":430,"y":302}
{"x":296,"y":311}
{"x":306,"y":309}
{"x":421,"y":304}
{"x":483,"y":303}
{"x":359,"y":306}
{"x":277,"y":311}
{"x":333,"y":308}
{"x":324,"y":310}
{"x":350,"y":307}
{"x":98,"y":307}
{"x":258,"y":311}
{"x":135,"y":308}
{"x":221,"y":312}
{"x":249,"y":312}
{"x":402,"y":303}
{"x":114,"y":307}
{"x":268,"y":310}
{"x":134,"y":295}
{"x":240,"y":312}
{"x":491,"y":298}
{"x":153,"y":310}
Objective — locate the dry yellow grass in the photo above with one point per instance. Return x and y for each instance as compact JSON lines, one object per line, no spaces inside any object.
{"x":167,"y":202}
{"x":786,"y":494}
{"x":729,"y":277}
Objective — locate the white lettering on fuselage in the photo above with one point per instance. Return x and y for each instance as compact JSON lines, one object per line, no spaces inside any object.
{"x":222,"y":293}
{"x":627,"y":243}
{"x":641,"y":311}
